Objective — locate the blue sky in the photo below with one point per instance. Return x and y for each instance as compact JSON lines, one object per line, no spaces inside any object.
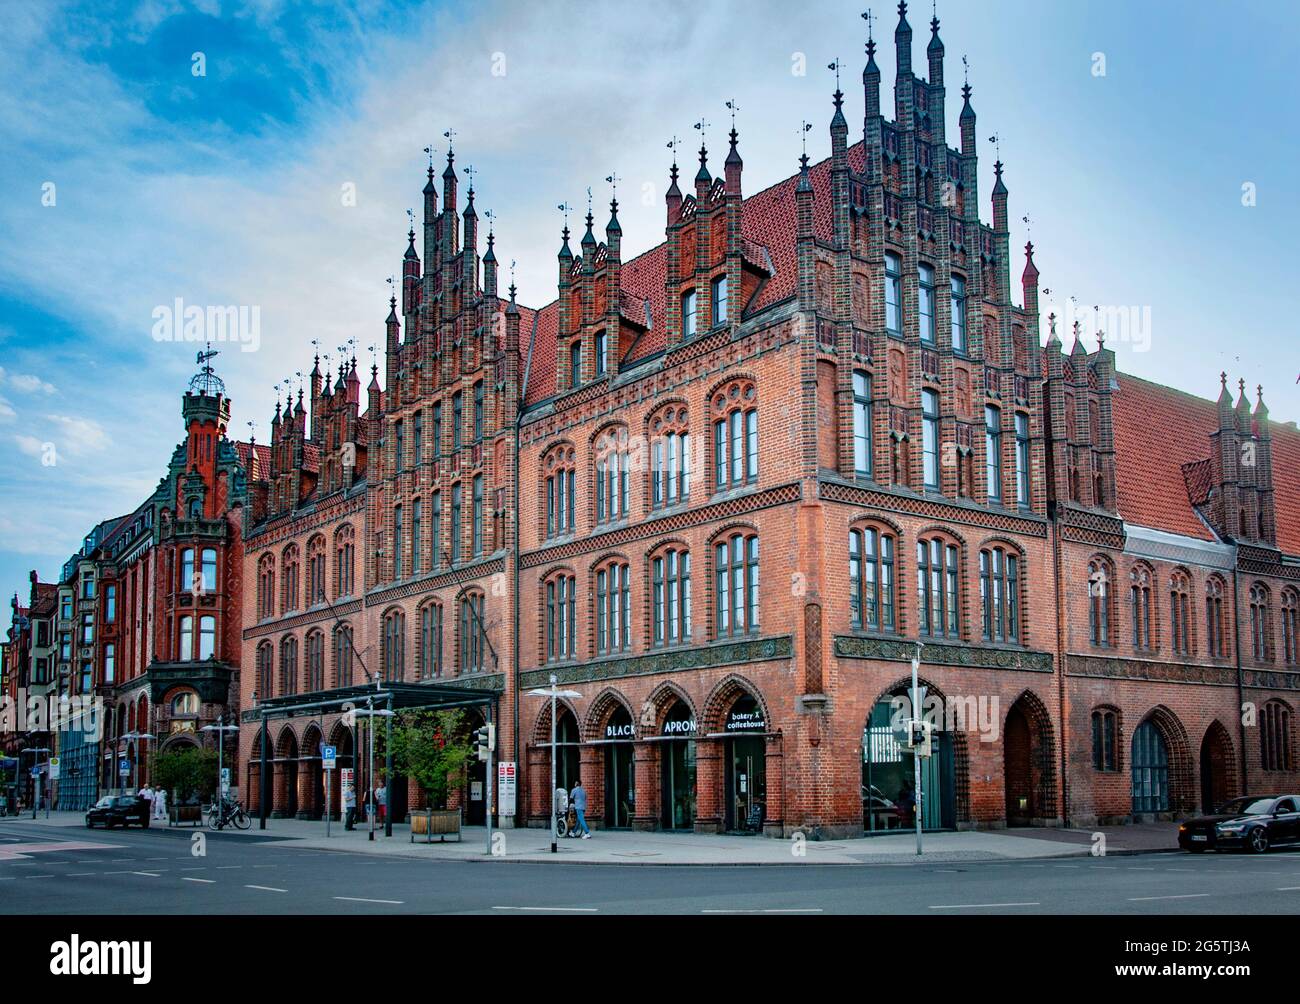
{"x":225,"y":188}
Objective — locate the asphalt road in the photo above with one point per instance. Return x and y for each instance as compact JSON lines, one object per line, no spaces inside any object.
{"x":155,"y":871}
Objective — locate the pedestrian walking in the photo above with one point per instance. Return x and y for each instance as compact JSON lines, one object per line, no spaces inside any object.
{"x":349,"y":806}
{"x":381,"y":803}
{"x":578,"y":798}
{"x":146,"y":793}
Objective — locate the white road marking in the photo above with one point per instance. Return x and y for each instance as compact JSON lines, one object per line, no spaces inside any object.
{"x":1289,"y":888}
{"x":1147,"y":899}
{"x":265,"y":888}
{"x":191,"y":878}
{"x":77,"y":874}
{"x":149,"y":874}
{"x":38,"y":876}
{"x":978,"y":906}
{"x":363,"y":899}
{"x":550,"y":909}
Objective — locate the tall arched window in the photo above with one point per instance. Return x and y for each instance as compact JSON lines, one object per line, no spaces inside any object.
{"x":1215,"y":623}
{"x":736,"y":585}
{"x":561,"y":617}
{"x":930,"y":439}
{"x":343,"y":655}
{"x":871,"y":579}
{"x":613,"y":608}
{"x":893,"y":293}
{"x":473,"y":633}
{"x":611,"y":475}
{"x":1105,"y":740}
{"x":430,"y":641}
{"x":937,"y":593}
{"x":1140,"y":607}
{"x":1290,"y":626}
{"x":265,"y":671}
{"x":188,"y":583}
{"x":315,"y":570}
{"x":1180,"y":612}
{"x":559,"y":468}
{"x":290,"y":591}
{"x":344,"y":551}
{"x":394,"y":646}
{"x":1275,"y":736}
{"x":670,"y":457}
{"x":288,"y":665}
{"x":735,"y":435}
{"x":1000,"y":594}
{"x":315,"y":661}
{"x":1261,"y":623}
{"x":670,"y":576}
{"x":862,"y":423}
{"x":266,"y":586}
{"x":993,"y":452}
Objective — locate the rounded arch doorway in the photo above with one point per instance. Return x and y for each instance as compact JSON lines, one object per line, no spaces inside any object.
{"x":620,"y":787}
{"x":889,"y":800}
{"x":746,"y":766}
{"x":678,"y":768}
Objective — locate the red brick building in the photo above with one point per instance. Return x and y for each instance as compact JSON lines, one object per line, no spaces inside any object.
{"x":724,"y":488}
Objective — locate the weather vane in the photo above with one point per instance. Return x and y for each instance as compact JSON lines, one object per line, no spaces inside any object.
{"x":836,"y":67}
{"x":429,"y":150}
{"x":804,"y":128}
{"x":589,"y":201}
{"x":565,"y":208}
{"x":450,"y":136}
{"x":1029,"y":226}
{"x":867,"y":16}
{"x":702,"y":126}
{"x":996,"y":140}
{"x":733,"y":107}
{"x":613,"y":180}
{"x":965,"y":66}
{"x":673,"y":144}
{"x":469,"y":173}
{"x":410,"y":215}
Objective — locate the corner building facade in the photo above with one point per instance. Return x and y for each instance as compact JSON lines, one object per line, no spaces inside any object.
{"x":723,"y":489}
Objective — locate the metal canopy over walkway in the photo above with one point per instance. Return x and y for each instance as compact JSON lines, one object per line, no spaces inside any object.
{"x":389,"y":696}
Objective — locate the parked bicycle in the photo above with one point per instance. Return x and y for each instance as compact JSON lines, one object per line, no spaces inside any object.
{"x":228,"y":813}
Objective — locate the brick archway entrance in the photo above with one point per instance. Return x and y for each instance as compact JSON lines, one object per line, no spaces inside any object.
{"x":1218,"y":768}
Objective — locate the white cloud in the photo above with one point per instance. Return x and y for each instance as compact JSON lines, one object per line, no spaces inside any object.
{"x":29,"y":445}
{"x":6,"y":410}
{"x":80,"y":435}
{"x":27,"y":382}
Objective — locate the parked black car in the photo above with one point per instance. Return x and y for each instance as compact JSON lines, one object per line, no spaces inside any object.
{"x":118,"y":810}
{"x":1254,"y":823}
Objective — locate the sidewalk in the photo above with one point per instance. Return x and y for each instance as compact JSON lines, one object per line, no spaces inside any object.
{"x":626,"y":847}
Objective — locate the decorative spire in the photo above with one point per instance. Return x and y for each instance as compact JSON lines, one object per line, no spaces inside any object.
{"x":936,"y":44}
{"x":871,"y":67}
{"x":613,"y":227}
{"x":589,"y":238}
{"x":967,"y":112}
{"x":837,"y":120}
{"x":392,"y":310}
{"x":490,"y":256}
{"x":903,"y":27}
{"x":999,"y":187}
{"x":702,"y":176}
{"x":1052,"y":337}
{"x":733,"y":155}
{"x":565,"y":251}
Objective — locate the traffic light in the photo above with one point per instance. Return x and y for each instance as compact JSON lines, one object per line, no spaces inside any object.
{"x":919,"y":739}
{"x":485,"y":739}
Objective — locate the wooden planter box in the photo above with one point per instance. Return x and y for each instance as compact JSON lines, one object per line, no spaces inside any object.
{"x":179,"y":815}
{"x":441,"y":823}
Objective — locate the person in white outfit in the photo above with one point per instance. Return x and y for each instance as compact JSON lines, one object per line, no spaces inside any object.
{"x":147,"y":794}
{"x":160,"y":804}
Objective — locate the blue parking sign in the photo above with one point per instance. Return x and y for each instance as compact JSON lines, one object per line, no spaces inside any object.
{"x":329,"y":757}
{"x":123,"y":767}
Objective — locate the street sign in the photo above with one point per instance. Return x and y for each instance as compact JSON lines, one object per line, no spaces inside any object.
{"x":506,"y":790}
{"x":329,"y":757}
{"x":54,"y":768}
{"x":345,"y":777}
{"x":36,"y":772}
{"x":225,"y":780}
{"x":123,"y":767}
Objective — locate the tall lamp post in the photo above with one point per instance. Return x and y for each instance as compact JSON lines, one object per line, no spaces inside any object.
{"x":133,"y":738}
{"x":553,"y":692}
{"x":221,"y":728}
{"x":36,"y":788}
{"x":372,"y":713}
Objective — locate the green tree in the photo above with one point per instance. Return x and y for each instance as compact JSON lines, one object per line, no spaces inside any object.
{"x":186,"y":773}
{"x":432,"y":748}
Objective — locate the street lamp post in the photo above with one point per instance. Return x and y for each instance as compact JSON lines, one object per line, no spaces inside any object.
{"x":36,"y":788}
{"x":134,"y":738}
{"x":221,"y":728}
{"x":553,"y":692}
{"x":372,"y":713}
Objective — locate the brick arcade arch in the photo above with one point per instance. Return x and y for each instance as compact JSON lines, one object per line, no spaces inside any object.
{"x":1029,"y":758}
{"x":1180,"y":774}
{"x":1218,"y":767}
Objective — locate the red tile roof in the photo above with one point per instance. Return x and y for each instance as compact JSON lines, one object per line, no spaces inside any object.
{"x":243,"y":452}
{"x":1162,"y":442}
{"x":768,"y":221}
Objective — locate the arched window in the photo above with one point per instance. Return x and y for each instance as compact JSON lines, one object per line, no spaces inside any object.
{"x":1000,"y":594}
{"x":264,"y":671}
{"x":1275,"y":736}
{"x":188,"y":583}
{"x":611,"y":475}
{"x":1140,"y":606}
{"x":473,"y":633}
{"x":1022,"y":459}
{"x":1180,"y":612}
{"x":735,"y":435}
{"x":476,"y":516}
{"x":430,"y":641}
{"x":185,"y":640}
{"x":670,"y":576}
{"x":344,"y":551}
{"x":602,"y":352}
{"x":862,"y":423}
{"x":893,"y":293}
{"x":670,"y":457}
{"x":290,"y":594}
{"x":1290,"y":626}
{"x":1150,"y":770}
{"x":343,"y":655}
{"x":1215,"y":624}
{"x":288,"y":665}
{"x":938,"y":597}
{"x":315,"y":661}
{"x":613,"y":608}
{"x":185,"y":704}
{"x":560,"y":490}
{"x":561,"y":617}
{"x":736,"y":585}
{"x":267,"y":585}
{"x":315,"y":570}
{"x":1105,"y":740}
{"x":871,"y":579}
{"x":394,"y":646}
{"x":1261,"y":623}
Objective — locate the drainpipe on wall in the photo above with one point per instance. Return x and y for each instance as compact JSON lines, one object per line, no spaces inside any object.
{"x":514,"y":643}
{"x":1241,"y":683}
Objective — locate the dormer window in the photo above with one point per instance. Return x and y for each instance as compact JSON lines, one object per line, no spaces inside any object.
{"x":688,"y":314}
{"x":720,"y":300}
{"x":893,"y":294}
{"x":602,"y":353}
{"x":575,"y":362}
{"x":925,"y":303}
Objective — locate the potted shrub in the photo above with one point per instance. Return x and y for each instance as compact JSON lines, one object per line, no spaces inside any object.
{"x":431,"y":748}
